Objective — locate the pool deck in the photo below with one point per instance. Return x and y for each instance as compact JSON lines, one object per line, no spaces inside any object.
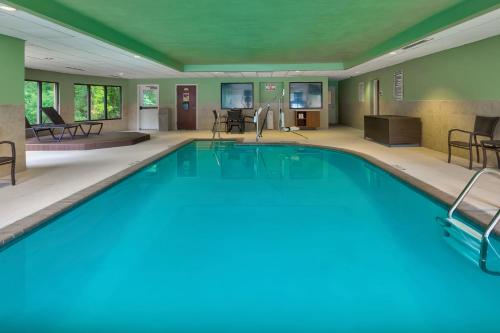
{"x":55,"y":179}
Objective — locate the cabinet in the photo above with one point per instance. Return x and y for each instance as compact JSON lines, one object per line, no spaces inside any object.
{"x":393,"y":130}
{"x":307,"y":119}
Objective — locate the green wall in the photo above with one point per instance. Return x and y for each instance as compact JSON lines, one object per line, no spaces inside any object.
{"x":11,"y":70}
{"x":12,"y":99}
{"x":209,"y":88}
{"x":469,"y":72}
{"x":209,"y":95}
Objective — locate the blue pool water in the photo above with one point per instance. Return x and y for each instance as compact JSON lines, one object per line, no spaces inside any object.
{"x":235,"y":238}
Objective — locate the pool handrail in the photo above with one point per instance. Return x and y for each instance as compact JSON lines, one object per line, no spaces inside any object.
{"x":491,"y":226}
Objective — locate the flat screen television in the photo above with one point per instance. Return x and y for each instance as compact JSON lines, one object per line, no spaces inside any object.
{"x":306,"y":95}
{"x":236,"y":95}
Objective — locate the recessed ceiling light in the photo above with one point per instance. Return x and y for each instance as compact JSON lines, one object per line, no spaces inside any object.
{"x":7,"y":8}
{"x":297,"y":71}
{"x":137,"y":56}
{"x":393,"y":53}
{"x":121,"y":74}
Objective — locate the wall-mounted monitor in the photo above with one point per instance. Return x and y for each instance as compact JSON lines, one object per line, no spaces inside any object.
{"x":306,"y":95}
{"x":236,"y":95}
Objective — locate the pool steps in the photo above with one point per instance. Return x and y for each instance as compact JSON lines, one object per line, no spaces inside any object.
{"x":467,"y":240}
{"x":465,"y":243}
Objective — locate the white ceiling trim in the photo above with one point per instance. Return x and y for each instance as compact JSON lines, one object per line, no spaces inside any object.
{"x":52,"y":47}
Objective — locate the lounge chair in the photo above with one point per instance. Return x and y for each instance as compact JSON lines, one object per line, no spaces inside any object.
{"x":36,"y":129}
{"x":483,"y":127}
{"x":10,"y":160}
{"x":56,"y":118}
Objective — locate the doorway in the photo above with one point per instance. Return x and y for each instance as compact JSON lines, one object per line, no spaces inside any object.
{"x":149,"y":106}
{"x":375,"y":100}
{"x":333,"y":116}
{"x":186,"y":107}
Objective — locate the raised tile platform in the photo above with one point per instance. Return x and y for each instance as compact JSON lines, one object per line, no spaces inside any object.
{"x":104,"y":140}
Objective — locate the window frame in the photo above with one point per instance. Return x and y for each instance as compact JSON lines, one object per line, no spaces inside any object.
{"x":40,"y":96}
{"x":89,"y":101}
{"x":306,"y":82}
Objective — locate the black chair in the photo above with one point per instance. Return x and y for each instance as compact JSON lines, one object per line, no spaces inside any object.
{"x":10,"y":160}
{"x":218,"y":120}
{"x":483,"y":127}
{"x":249,"y":119}
{"x":493,"y":145}
{"x":235,"y":119}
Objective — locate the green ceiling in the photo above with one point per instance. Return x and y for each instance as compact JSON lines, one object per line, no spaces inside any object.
{"x":224,"y":35}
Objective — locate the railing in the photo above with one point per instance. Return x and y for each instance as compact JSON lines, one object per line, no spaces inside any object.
{"x":216,"y":127}
{"x":258,"y":129}
{"x":485,"y":242}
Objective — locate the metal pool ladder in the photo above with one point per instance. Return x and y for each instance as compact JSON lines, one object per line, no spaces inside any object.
{"x":476,"y":242}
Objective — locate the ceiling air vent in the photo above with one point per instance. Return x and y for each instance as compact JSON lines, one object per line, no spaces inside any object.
{"x":76,"y":69}
{"x":409,"y":46}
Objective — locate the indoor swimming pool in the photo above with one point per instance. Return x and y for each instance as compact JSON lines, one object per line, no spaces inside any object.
{"x":229,"y":237}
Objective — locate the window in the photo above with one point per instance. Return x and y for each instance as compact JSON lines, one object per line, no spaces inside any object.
{"x":81,"y":102}
{"x":97,"y":102}
{"x":149,"y":96}
{"x":38,"y":94}
{"x":306,"y":95}
{"x":236,"y":95}
{"x":114,"y":102}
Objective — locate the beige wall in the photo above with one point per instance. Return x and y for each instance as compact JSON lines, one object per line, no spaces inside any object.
{"x":440,"y":116}
{"x":11,"y":99}
{"x":66,"y":95}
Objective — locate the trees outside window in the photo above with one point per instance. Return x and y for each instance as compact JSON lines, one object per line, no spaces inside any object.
{"x":81,"y":102}
{"x":38,"y":94}
{"x":114,"y":102}
{"x":97,"y":102}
